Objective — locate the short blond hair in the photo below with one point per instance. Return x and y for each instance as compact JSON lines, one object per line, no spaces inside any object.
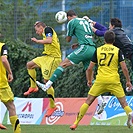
{"x":39,"y":23}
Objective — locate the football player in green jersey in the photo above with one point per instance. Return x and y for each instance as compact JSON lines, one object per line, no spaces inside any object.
{"x":83,"y":50}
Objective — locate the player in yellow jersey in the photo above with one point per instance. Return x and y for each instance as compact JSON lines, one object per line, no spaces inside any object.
{"x":48,"y":62}
{"x":108,"y":57}
{"x":6,"y":95}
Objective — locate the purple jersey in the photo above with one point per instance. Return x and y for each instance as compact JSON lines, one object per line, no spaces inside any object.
{"x":100,"y":29}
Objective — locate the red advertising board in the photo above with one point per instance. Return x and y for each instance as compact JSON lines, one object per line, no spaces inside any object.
{"x":67,"y":110}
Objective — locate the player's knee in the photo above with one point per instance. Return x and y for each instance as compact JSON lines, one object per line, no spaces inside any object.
{"x":30,"y":65}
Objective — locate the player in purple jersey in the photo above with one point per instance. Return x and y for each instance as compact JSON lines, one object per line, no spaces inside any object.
{"x":122,"y":41}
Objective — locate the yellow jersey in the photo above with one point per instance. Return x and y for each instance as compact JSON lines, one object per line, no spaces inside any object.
{"x":52,"y":49}
{"x":108,"y":57}
{"x":3,"y":76}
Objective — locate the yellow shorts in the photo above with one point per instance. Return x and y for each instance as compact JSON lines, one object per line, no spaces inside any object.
{"x":100,"y":88}
{"x":6,"y":94}
{"x":47,"y":64}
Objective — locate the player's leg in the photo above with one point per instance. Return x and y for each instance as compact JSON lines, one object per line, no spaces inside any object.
{"x":101,"y":104}
{"x":82,"y":111}
{"x":119,"y":93}
{"x":32,"y":73}
{"x":127,"y":109}
{"x":7,"y":99}
{"x":48,"y":66}
{"x":58,"y":72}
{"x":75,"y":57}
{"x":13,"y":117}
{"x":52,"y":106}
{"x":85,"y":57}
{"x":92,"y":94}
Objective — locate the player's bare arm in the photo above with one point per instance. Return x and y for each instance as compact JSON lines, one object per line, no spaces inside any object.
{"x":89,"y":73}
{"x":7,"y":67}
{"x":48,"y":40}
{"x":94,"y":29}
{"x":126,"y":74}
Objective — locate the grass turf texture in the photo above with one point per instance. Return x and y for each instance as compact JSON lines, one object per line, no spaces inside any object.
{"x":65,"y":129}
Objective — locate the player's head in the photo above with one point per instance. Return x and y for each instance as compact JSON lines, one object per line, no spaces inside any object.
{"x":39,"y":27}
{"x":71,"y":14}
{"x":109,"y":37}
{"x":115,"y":22}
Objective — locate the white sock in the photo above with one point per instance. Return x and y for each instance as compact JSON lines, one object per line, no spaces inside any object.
{"x":48,"y":84}
{"x":100,"y":100}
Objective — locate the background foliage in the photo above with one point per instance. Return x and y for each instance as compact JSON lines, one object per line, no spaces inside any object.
{"x":71,"y":84}
{"x":16,"y":27}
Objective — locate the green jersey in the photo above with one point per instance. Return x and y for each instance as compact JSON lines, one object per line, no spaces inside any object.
{"x":80,"y":28}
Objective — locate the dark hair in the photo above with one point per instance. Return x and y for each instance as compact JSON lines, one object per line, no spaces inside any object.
{"x":116,"y":22}
{"x":109,"y":37}
{"x":71,"y":13}
{"x":39,"y":23}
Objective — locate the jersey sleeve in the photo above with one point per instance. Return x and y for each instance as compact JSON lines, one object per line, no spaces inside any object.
{"x":70,"y":28}
{"x":4,"y":50}
{"x":100,"y":29}
{"x":48,"y":32}
{"x":94,"y":58}
{"x":121,"y":56}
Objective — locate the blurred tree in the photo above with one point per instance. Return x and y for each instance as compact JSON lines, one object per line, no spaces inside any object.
{"x":17,"y":19}
{"x":18,"y":16}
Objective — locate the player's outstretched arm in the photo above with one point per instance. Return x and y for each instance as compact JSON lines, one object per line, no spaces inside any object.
{"x":48,"y":40}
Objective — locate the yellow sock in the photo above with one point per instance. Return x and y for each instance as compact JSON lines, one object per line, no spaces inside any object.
{"x":82,"y":112}
{"x":127,"y":109}
{"x":32,"y":73}
{"x":50,"y":93}
{"x":15,"y":123}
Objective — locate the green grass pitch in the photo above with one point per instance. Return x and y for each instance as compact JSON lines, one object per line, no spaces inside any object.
{"x":65,"y":129}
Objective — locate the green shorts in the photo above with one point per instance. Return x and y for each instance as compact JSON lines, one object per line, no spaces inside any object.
{"x":82,"y":54}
